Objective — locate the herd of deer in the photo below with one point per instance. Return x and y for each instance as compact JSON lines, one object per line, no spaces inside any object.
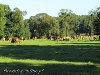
{"x":68,"y":38}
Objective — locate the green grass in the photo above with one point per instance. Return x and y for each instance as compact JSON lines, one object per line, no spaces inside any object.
{"x":49,"y":42}
{"x":47,"y":57}
{"x":40,"y":62}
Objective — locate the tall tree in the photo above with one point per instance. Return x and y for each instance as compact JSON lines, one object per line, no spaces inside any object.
{"x":15,"y":23}
{"x":8,"y":25}
{"x":95,"y":20}
{"x":66,"y":20}
{"x":18,"y":22}
{"x":2,"y":20}
{"x":43,"y":24}
{"x":27,"y":29}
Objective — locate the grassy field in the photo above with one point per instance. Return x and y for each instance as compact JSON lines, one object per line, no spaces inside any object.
{"x":45,"y":57}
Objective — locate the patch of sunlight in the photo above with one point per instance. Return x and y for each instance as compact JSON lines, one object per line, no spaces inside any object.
{"x":40,"y":62}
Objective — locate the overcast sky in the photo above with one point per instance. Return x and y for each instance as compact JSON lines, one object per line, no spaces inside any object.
{"x":52,"y":7}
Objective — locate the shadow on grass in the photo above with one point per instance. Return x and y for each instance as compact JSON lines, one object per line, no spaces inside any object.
{"x":80,"y":43}
{"x":26,"y":69}
{"x":59,"y":53}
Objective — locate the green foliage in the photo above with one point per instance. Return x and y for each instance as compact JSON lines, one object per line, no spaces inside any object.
{"x":95,"y":19}
{"x":66,"y":24}
{"x":26,"y":29}
{"x":14,"y":24}
{"x":2,"y":20}
{"x":97,"y":22}
{"x":43,"y":24}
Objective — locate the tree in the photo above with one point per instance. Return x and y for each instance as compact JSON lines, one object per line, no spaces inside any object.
{"x":33,"y":26}
{"x":2,"y":20}
{"x":95,"y":20}
{"x":76,"y":24}
{"x":9,"y":24}
{"x":49,"y":25}
{"x":15,"y":24}
{"x":66,"y":21}
{"x":27,"y":29}
{"x":43,"y":24}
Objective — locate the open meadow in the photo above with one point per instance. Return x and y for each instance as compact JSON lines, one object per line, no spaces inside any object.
{"x":46,"y":57}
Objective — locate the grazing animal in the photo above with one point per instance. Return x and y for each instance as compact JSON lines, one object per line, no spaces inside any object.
{"x":85,"y":38}
{"x":73,"y":37}
{"x":9,"y":39}
{"x":28,"y":38}
{"x":58,"y":38}
{"x":68,"y":38}
{"x":21,"y":38}
{"x":43,"y":37}
{"x":15,"y":40}
{"x":95,"y":38}
{"x":99,"y":37}
{"x":64,"y":38}
{"x":34,"y":38}
{"x":49,"y":37}
{"x":3,"y":39}
{"x":24,"y":39}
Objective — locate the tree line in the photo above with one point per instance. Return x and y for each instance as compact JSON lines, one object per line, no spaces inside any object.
{"x":67,"y":23}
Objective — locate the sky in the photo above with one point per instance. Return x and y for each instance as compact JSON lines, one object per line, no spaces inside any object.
{"x":52,"y":7}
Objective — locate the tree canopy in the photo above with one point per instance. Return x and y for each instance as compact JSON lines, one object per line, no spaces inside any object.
{"x":67,"y":23}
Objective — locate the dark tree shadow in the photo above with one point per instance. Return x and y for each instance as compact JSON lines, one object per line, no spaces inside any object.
{"x":26,"y":69}
{"x":59,"y":53}
{"x":80,"y":43}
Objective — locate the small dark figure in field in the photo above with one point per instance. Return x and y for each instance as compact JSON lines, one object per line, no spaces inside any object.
{"x":49,"y":37}
{"x":99,"y":37}
{"x":24,"y":39}
{"x":95,"y":38}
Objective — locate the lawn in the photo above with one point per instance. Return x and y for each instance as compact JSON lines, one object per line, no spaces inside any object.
{"x":45,"y":57}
